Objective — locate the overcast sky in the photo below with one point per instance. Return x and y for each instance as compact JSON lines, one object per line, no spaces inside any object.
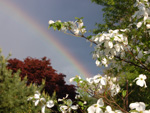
{"x":17,"y":37}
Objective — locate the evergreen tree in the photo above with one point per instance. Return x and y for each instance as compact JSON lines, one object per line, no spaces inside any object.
{"x":13,"y":92}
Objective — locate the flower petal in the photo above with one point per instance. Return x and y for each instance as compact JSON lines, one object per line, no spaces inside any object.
{"x":140,"y":83}
{"x":30,"y":98}
{"x":99,"y":110}
{"x":91,"y":109}
{"x":108,"y":108}
{"x":36,"y":102}
{"x":37,"y":95}
{"x":43,"y":109}
{"x":50,"y":104}
{"x":100,"y":102}
{"x":74,"y":107}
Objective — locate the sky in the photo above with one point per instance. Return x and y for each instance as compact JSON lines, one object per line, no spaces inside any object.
{"x":24,"y":32}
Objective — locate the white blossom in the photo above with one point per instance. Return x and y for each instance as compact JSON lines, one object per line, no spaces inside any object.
{"x":63,"y":98}
{"x":139,"y":106}
{"x":73,"y":78}
{"x":100,"y":79}
{"x":68,"y":107}
{"x":77,"y":96}
{"x":139,"y":24}
{"x":95,"y":108}
{"x":109,"y":110}
{"x":49,"y":104}
{"x":141,"y":80}
{"x":104,"y":62}
{"x":80,"y":24}
{"x":37,"y":98}
{"x":117,"y":47}
{"x":115,"y":89}
{"x":148,"y":26}
{"x":98,"y":63}
{"x":108,"y":44}
{"x":63,"y":108}
{"x":30,"y":98}
{"x":51,"y":22}
{"x":83,"y":30}
{"x":90,"y":80}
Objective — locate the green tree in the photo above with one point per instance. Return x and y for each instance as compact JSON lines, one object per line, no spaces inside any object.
{"x":116,"y":14}
{"x":14,"y":92}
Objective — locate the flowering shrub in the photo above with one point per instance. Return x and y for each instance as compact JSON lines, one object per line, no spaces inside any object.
{"x":116,"y":48}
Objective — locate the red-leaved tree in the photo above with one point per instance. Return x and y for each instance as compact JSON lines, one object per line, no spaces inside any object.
{"x":36,"y":70}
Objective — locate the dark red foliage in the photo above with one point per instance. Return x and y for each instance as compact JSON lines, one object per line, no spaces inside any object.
{"x":36,"y":70}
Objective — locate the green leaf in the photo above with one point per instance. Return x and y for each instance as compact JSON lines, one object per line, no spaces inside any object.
{"x":124,"y":93}
{"x":54,"y":27}
{"x":133,"y":110}
{"x":59,"y":26}
{"x":80,"y":103}
{"x":51,"y":25}
{"x":77,"y":18}
{"x":81,"y":17}
{"x":89,"y":37}
{"x":112,"y":39}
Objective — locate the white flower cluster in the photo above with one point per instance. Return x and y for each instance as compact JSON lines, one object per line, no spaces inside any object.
{"x":96,"y":108}
{"x":139,"y":107}
{"x":37,"y":98}
{"x":115,"y":42}
{"x":142,"y":12}
{"x":109,"y":45}
{"x":67,"y":106}
{"x":74,"y":27}
{"x":100,"y":84}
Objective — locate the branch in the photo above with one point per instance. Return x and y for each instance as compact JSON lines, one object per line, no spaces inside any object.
{"x":132,"y":63}
{"x":81,"y":36}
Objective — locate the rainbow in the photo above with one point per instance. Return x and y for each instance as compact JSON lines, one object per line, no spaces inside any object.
{"x":46,"y":36}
